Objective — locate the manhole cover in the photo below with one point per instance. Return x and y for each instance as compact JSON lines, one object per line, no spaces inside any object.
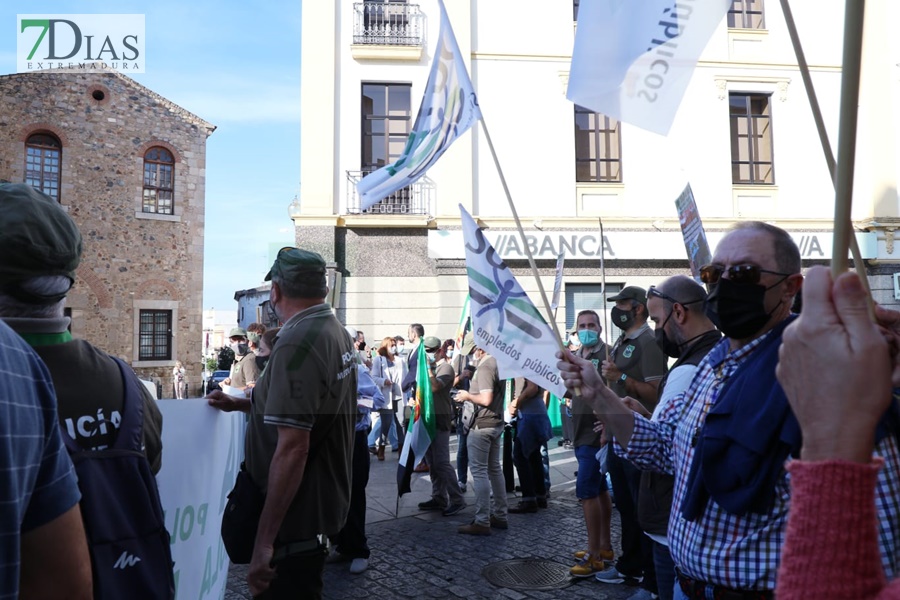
{"x":527,"y":574}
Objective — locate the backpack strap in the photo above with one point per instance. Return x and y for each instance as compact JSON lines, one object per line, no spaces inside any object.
{"x":131,"y":429}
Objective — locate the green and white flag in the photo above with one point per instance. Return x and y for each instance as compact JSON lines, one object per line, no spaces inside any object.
{"x":422,"y":426}
{"x":449,"y":108}
{"x":505,"y":322}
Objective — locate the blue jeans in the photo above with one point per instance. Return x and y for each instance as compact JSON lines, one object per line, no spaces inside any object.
{"x":487,"y":474}
{"x":377,"y":437}
{"x":545,"y":460}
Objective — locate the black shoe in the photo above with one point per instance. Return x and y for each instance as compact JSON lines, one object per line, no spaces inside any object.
{"x":431,"y":505}
{"x":524,"y":506}
{"x":541,"y":503}
{"x":454,"y":509}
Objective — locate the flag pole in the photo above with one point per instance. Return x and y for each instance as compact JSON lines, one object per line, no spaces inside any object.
{"x":603,"y":288}
{"x":854,"y":11}
{"x":823,"y":136}
{"x":515,"y":214}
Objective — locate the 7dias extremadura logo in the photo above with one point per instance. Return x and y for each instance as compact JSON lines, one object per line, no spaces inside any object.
{"x":80,"y":42}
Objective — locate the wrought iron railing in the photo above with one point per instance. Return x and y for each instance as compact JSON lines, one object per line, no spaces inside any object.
{"x":415,"y":199}
{"x":387,"y":24}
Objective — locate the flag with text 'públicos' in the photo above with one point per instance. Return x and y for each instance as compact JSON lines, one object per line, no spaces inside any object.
{"x":449,"y":108}
{"x":505,"y":322}
{"x":633,"y":60}
{"x":422,"y":426}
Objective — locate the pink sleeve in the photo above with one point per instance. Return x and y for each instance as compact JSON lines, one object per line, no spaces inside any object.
{"x":831,"y":546}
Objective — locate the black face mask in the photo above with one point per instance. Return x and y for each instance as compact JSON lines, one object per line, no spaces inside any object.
{"x":668,"y":346}
{"x":738,"y":309}
{"x":623,"y":319}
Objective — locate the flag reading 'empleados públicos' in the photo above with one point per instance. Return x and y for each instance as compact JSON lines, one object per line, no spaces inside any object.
{"x":505,"y":322}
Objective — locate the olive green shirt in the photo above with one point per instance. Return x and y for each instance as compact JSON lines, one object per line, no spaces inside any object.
{"x":309,"y":383}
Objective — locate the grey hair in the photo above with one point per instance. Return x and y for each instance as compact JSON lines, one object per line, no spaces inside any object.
{"x":45,"y":285}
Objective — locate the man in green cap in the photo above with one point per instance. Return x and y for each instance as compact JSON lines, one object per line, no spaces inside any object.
{"x":300,"y":435}
{"x":244,"y":370}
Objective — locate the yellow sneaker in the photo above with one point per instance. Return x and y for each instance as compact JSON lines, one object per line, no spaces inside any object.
{"x":607,"y":555}
{"x":587,"y":567}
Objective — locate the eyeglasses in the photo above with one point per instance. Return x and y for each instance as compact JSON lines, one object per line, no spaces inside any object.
{"x":653,"y":291}
{"x":710,"y":274}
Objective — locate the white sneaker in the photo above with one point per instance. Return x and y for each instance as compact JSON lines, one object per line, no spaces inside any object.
{"x":359,"y":565}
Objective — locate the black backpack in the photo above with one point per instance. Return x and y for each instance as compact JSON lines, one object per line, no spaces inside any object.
{"x":123,"y":517}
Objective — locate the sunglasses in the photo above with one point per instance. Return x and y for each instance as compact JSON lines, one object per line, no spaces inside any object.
{"x":652,"y":291}
{"x":710,"y":274}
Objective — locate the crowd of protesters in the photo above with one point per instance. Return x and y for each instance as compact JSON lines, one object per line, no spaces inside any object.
{"x":752,"y":450}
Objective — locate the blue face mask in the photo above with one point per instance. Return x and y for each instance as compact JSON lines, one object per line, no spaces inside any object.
{"x":588,"y":337}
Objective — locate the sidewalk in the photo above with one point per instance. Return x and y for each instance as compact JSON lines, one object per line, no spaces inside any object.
{"x":420,"y":555}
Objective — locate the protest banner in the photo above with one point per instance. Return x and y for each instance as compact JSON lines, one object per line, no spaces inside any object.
{"x":202,"y":453}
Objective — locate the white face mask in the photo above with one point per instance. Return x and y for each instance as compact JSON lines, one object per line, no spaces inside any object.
{"x":452,"y":353}
{"x":430,"y":356}
{"x":400,"y":349}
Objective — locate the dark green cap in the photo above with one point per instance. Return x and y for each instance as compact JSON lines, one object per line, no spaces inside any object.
{"x":432,"y":343}
{"x":631,"y":292}
{"x":292,"y":263}
{"x":37,"y":237}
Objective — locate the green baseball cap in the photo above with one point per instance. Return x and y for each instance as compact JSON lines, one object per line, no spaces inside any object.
{"x":432,"y":342}
{"x":631,"y":292}
{"x":237,"y":332}
{"x":37,"y":237}
{"x":293,"y":262}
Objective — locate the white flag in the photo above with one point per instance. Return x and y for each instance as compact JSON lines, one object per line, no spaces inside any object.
{"x":505,"y":322}
{"x":449,"y":108}
{"x":633,"y":59}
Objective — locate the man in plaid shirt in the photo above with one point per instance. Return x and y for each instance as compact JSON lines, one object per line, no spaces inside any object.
{"x":730,"y":504}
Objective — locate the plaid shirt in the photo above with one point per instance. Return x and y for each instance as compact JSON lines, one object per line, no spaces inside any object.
{"x":739,"y":552}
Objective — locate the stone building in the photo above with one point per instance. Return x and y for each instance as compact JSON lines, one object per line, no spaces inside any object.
{"x":129,"y":166}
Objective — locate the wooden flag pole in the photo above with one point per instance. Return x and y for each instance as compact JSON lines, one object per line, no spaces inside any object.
{"x":512,"y":207}
{"x":846,"y":155}
{"x":823,"y":136}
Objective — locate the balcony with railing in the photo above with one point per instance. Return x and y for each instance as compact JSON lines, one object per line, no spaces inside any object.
{"x":388,"y":30}
{"x":414,"y":199}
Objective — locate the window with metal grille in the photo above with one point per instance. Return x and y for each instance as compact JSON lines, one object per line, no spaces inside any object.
{"x":746,"y":14}
{"x":583,"y":296}
{"x":155,"y":335}
{"x":159,"y":181}
{"x":598,"y":147}
{"x":386,"y":123}
{"x":751,"y":139}
{"x":43,"y":158}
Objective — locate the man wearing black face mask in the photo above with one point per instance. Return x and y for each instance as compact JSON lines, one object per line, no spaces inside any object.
{"x":244,"y":370}
{"x":727,"y":438}
{"x":635,"y":367}
{"x":684,"y":332}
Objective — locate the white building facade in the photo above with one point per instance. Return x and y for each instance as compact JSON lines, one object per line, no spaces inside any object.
{"x":744,"y":138}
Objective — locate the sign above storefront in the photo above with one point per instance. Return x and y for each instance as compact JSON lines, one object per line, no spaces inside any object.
{"x":619,"y":245}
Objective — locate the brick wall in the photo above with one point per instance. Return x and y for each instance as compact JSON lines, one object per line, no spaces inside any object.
{"x":106,"y":122}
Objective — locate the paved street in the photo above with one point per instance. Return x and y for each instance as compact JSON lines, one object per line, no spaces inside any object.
{"x":420,"y":555}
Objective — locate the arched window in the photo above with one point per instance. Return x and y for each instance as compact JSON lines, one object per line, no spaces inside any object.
{"x":159,"y":181}
{"x":43,"y":156}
